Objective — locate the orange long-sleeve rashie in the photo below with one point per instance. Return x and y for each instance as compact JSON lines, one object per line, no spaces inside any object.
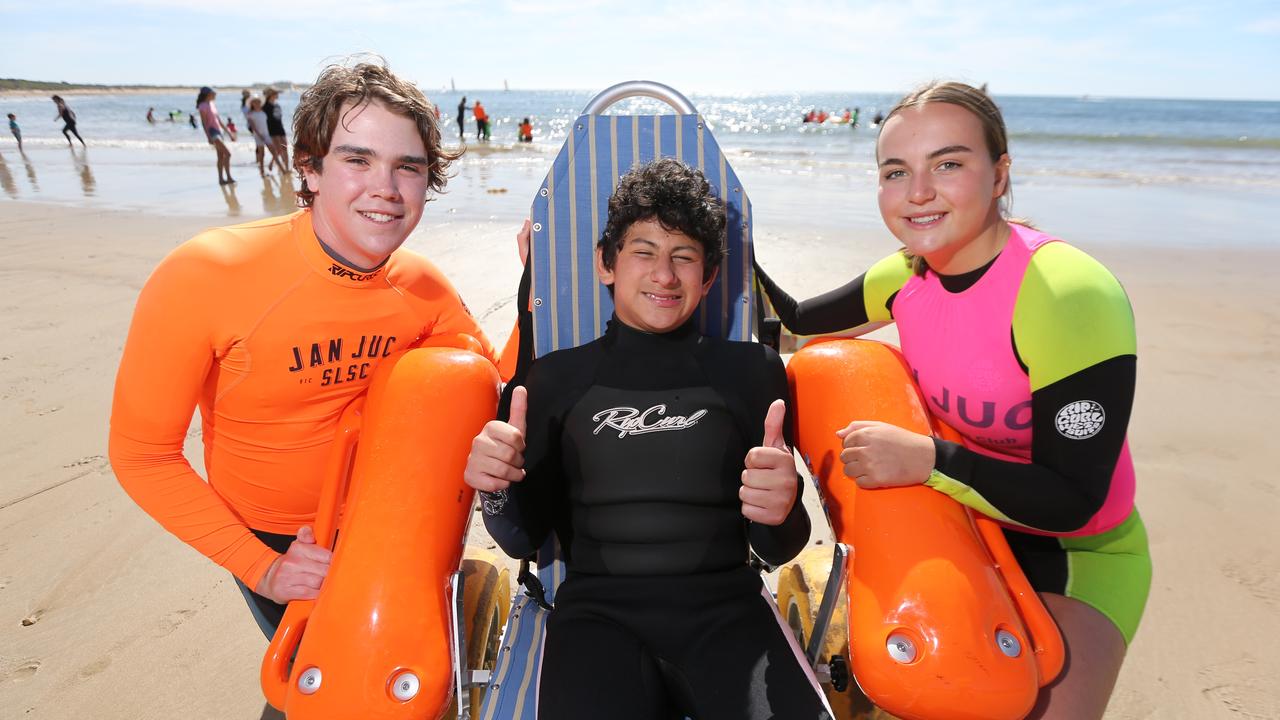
{"x":271,"y":337}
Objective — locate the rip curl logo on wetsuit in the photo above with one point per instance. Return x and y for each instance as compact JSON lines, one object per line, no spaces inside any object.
{"x":493,"y":502}
{"x":630,"y":421}
{"x":338,"y":271}
{"x":1080,"y":420}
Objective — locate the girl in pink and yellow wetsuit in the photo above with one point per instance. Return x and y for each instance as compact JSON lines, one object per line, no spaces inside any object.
{"x":1026,"y":346}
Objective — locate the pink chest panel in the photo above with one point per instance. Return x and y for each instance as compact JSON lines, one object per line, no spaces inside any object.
{"x":960,"y":347}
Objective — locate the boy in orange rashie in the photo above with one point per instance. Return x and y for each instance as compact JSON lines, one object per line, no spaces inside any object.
{"x":272,"y":327}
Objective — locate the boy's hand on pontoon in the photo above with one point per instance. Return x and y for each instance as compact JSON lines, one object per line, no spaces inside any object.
{"x":769,"y":483}
{"x":298,"y":573}
{"x":497,"y":453}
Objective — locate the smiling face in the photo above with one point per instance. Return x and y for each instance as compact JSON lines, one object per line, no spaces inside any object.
{"x":657,"y":277}
{"x":371,"y":186}
{"x":939,"y":187}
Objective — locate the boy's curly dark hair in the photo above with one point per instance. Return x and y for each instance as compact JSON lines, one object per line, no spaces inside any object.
{"x":679,"y":197}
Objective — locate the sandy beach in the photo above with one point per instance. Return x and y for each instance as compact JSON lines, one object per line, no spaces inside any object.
{"x":105,"y":615}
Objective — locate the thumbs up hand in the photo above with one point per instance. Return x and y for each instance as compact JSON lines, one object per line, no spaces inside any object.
{"x":769,"y":481}
{"x":497,"y":453}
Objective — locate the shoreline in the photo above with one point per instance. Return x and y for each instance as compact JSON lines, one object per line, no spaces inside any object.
{"x":498,"y":181}
{"x":192,"y":89}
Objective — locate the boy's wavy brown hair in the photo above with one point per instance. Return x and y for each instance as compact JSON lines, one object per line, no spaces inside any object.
{"x":320,"y":109}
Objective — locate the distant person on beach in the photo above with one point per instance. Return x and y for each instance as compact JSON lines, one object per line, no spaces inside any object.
{"x":245,"y":96}
{"x":526,"y":131}
{"x":482,"y":120}
{"x":214,"y":129}
{"x":17,"y":131}
{"x":1027,"y":347}
{"x":462,"y":119}
{"x":272,"y":328}
{"x":151,"y":115}
{"x":256,"y":120}
{"x":191,"y":120}
{"x":67,"y":116}
{"x":275,"y":124}
{"x":231,"y":128}
{"x":853,"y":120}
{"x":875,"y":121}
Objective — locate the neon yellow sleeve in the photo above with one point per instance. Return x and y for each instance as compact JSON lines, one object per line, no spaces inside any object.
{"x":1071,"y":314}
{"x":881,"y":281}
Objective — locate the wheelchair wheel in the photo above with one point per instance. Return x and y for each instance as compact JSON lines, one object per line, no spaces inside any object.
{"x":486,"y":600}
{"x":800,"y":588}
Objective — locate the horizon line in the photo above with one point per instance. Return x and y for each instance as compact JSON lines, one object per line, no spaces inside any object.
{"x":73,"y":86}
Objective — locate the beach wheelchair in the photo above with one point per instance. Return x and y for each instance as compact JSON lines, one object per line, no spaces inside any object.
{"x":569,"y":305}
{"x":944,"y":625}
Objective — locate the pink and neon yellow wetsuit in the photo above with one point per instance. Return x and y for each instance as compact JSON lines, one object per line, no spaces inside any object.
{"x":1032,"y":357}
{"x":957,"y":344}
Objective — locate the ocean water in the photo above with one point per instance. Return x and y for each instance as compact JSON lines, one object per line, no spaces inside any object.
{"x":1184,"y":148}
{"x":1127,"y":139}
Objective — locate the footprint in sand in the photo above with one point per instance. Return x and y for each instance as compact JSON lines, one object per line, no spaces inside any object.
{"x":23,"y":671}
{"x":1259,"y":582}
{"x":88,"y":459}
{"x":1241,"y":688}
{"x":173,"y":621}
{"x":94,"y":668}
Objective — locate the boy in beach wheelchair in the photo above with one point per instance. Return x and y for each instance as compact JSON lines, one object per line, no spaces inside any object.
{"x":657,"y":456}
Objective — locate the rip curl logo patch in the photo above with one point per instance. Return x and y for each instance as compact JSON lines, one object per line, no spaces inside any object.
{"x":337,"y":270}
{"x":1080,"y":420}
{"x":493,"y":502}
{"x":631,"y":421}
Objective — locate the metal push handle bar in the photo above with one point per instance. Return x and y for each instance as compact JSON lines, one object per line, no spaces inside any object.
{"x":640,"y":88}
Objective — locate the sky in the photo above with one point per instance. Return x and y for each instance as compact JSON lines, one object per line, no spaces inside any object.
{"x":1225,"y":49}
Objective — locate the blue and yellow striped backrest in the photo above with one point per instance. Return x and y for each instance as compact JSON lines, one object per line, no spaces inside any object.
{"x":570,"y":305}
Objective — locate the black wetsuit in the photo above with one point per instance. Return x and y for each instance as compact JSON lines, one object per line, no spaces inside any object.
{"x":69,"y":118}
{"x":634,"y":457}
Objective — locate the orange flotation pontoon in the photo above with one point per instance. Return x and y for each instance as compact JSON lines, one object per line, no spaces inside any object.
{"x":942,"y":623}
{"x":380,"y":640}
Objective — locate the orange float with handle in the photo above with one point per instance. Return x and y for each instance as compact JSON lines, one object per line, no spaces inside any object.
{"x":379,"y":641}
{"x":942,"y":623}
